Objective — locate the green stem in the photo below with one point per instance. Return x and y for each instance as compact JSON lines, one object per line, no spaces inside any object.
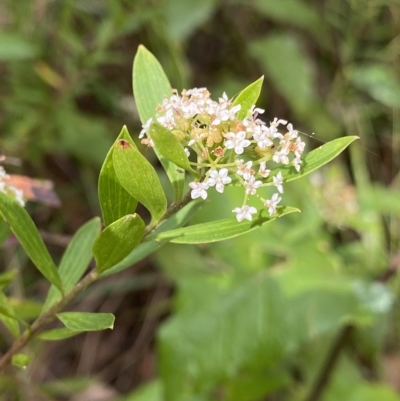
{"x":92,"y":276}
{"x":45,"y":318}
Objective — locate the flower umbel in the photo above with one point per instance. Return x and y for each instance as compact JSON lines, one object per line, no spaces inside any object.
{"x":212,"y":132}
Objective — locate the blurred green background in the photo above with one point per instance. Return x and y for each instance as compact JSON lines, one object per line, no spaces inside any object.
{"x":255,"y":318}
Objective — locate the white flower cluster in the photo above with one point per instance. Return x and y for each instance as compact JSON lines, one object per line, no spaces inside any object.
{"x":10,"y":190}
{"x":214,"y":132}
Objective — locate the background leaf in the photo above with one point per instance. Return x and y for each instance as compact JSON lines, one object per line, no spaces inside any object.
{"x":25,"y":230}
{"x":75,"y":260}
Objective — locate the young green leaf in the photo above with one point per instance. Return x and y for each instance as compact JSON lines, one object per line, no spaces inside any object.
{"x":150,"y":83}
{"x":169,"y":146}
{"x":315,"y":159}
{"x":117,"y":241}
{"x":85,"y":321}
{"x":25,"y":230}
{"x":248,"y":97}
{"x":7,"y":315}
{"x":150,"y":87}
{"x":21,"y":360}
{"x":115,"y":202}
{"x":58,"y":334}
{"x":138,"y":176}
{"x":219,"y":230}
{"x":75,"y":260}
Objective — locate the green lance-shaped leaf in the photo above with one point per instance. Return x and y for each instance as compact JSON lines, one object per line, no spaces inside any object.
{"x":7,"y":315}
{"x":75,"y":260}
{"x":219,"y":230}
{"x":150,"y":83}
{"x":25,"y":230}
{"x":58,"y":334}
{"x":315,"y":159}
{"x":150,"y":87}
{"x":115,"y":202}
{"x":169,"y":146}
{"x":138,"y":177}
{"x":85,"y":321}
{"x":248,"y":97}
{"x":117,"y":241}
{"x":21,"y":360}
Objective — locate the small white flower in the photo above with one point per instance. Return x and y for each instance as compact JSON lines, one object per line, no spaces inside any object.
{"x":244,"y":169}
{"x":244,"y":212}
{"x":277,"y":122}
{"x":278,"y":181}
{"x":293,"y":134}
{"x":272,"y":203}
{"x":237,"y":141}
{"x":187,"y":152}
{"x":199,"y":189}
{"x":263,"y":171}
{"x":296,"y":163}
{"x":251,"y":185}
{"x":145,"y":128}
{"x":219,"y":179}
{"x":280,"y":156}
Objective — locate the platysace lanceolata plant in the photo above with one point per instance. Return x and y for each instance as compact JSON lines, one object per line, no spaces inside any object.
{"x":220,"y":142}
{"x":229,"y":149}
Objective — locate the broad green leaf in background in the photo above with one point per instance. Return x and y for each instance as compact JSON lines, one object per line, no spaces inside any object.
{"x":288,"y":68}
{"x":115,"y":202}
{"x":190,"y":14}
{"x":296,"y":12}
{"x":169,"y":146}
{"x":7,"y":315}
{"x":117,"y":241}
{"x":21,"y":360}
{"x":58,"y":334}
{"x":151,"y":391}
{"x":248,"y":97}
{"x":16,"y":47}
{"x":75,"y":260}
{"x":219,"y":230}
{"x":25,"y":230}
{"x":378,"y":80}
{"x":138,"y":177}
{"x":86,"y":321}
{"x":315,"y":159}
{"x":150,"y":87}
